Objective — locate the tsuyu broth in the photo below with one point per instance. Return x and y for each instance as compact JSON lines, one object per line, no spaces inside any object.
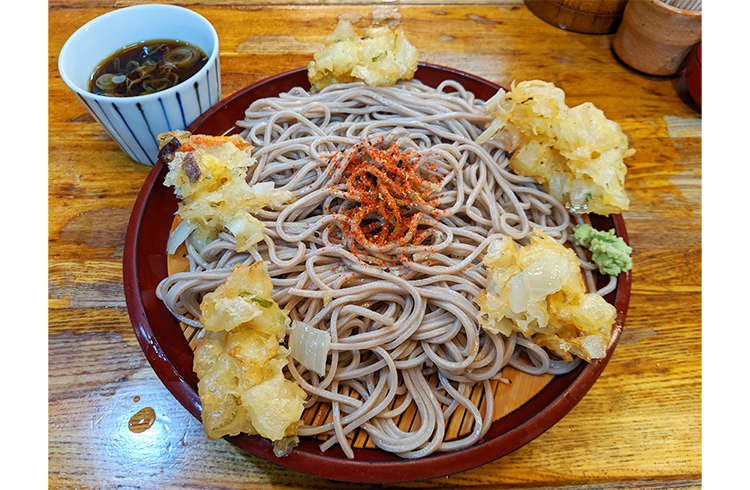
{"x":147,"y":67}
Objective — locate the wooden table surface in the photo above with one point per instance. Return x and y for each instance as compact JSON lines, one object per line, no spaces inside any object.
{"x":638,"y":427}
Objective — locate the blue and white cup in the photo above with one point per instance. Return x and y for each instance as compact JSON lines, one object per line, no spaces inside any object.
{"x":135,"y":122}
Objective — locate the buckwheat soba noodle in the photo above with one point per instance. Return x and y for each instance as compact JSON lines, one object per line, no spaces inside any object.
{"x":397,"y":300}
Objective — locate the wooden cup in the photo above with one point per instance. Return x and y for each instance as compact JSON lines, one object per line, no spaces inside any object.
{"x":655,"y":38}
{"x":584,"y":16}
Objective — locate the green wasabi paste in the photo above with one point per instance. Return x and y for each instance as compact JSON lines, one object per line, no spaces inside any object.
{"x":608,"y":251}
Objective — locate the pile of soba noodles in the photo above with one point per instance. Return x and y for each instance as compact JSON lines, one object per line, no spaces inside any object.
{"x":400,"y":313}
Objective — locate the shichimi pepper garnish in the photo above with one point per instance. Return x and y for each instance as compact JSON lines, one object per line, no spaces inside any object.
{"x":384,"y":192}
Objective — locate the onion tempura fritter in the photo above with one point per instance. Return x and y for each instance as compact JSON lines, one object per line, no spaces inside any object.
{"x":209,"y":176}
{"x":239,"y":360}
{"x":575,"y":153}
{"x":538,"y":291}
{"x":381,"y":58}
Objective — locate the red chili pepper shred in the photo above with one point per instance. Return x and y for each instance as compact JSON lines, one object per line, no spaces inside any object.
{"x":387,"y":186}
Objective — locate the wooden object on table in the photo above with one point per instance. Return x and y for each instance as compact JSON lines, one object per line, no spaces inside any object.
{"x":638,"y":427}
{"x":694,"y":75}
{"x":655,"y":38}
{"x":584,"y":16}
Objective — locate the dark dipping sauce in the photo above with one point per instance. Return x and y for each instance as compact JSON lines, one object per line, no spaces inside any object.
{"x":147,"y":67}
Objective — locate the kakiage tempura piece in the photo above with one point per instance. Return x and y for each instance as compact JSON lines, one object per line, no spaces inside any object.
{"x":538,"y":290}
{"x":575,"y":153}
{"x":209,"y":174}
{"x":379,"y":58}
{"x":239,"y":360}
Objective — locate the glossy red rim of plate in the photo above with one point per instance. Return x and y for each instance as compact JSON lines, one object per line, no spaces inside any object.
{"x":163,"y":342}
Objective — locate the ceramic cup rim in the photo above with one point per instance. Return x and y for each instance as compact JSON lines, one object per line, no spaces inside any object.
{"x":675,"y":10}
{"x":150,"y":9}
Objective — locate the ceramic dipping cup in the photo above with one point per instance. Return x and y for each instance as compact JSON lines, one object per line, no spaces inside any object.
{"x":134,"y":122}
{"x":655,"y":38}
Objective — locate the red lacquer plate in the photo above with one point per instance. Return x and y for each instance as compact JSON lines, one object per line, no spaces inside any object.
{"x":165,"y":346}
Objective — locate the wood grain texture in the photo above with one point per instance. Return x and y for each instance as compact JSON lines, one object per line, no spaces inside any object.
{"x":638,"y":427}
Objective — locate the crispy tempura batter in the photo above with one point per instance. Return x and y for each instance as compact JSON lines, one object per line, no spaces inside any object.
{"x":380,"y":58}
{"x":576,"y":153}
{"x":209,"y":174}
{"x":538,"y":290}
{"x":239,"y":362}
